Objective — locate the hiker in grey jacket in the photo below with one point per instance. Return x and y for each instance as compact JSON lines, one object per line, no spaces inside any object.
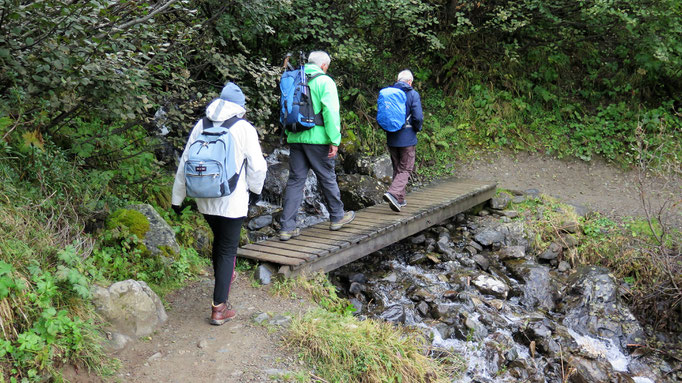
{"x":226,"y":214}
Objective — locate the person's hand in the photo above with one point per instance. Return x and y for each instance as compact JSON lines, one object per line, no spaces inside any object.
{"x":332,"y":151}
{"x":177,"y":209}
{"x":253,"y":198}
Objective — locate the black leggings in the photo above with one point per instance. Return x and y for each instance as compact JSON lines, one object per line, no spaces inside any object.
{"x":225,"y":243}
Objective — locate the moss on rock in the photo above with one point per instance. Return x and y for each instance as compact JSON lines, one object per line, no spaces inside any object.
{"x":133,"y":220}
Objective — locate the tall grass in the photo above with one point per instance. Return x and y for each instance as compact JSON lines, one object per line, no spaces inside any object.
{"x":344,"y":349}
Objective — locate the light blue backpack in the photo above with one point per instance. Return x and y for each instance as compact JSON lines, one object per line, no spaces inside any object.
{"x":391,"y":109}
{"x":211,"y":168}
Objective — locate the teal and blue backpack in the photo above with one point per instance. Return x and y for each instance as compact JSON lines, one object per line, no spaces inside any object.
{"x":296,"y":104}
{"x":211,"y":168}
{"x":391,"y":109}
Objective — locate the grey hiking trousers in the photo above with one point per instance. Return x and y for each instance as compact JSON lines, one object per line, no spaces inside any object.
{"x":303,"y":157}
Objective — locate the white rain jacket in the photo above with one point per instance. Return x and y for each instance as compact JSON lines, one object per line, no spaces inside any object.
{"x":252,"y":177}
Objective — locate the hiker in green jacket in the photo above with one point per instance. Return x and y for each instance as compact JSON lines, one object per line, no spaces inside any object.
{"x":316,"y":149}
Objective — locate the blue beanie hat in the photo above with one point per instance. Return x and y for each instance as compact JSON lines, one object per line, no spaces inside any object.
{"x":231,"y":92}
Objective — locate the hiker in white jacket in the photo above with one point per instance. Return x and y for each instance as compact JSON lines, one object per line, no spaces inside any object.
{"x":225,"y":215}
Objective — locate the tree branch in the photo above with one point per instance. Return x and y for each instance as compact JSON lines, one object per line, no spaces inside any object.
{"x":138,"y":20}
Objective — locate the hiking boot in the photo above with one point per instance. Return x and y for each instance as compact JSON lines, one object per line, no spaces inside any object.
{"x":348,"y":217}
{"x":221,"y":313}
{"x":392,"y":201}
{"x":402,"y":204}
{"x":287,"y":235}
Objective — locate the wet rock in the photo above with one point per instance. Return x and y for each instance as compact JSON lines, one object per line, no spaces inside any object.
{"x":358,"y":277}
{"x":356,"y":288}
{"x":593,"y":307}
{"x":490,"y":285}
{"x":489,"y":236}
{"x":160,"y":238}
{"x":421,"y":294}
{"x":476,"y":329}
{"x":512,"y":252}
{"x":471,"y":250}
{"x":360,"y":191}
{"x":476,"y":246}
{"x":394,"y":313}
{"x":500,"y":201}
{"x":418,"y":239}
{"x":423,"y":308}
{"x":538,"y":288}
{"x":442,"y":311}
{"x":417,"y":259}
{"x":130,"y":307}
{"x":444,"y":330}
{"x":390,"y":278}
{"x":357,"y":304}
{"x":483,"y":213}
{"x":460,"y":218}
{"x":275,"y":182}
{"x":482,"y":262}
{"x":260,"y":222}
{"x":552,"y":252}
{"x":264,"y":273}
{"x":588,"y":370}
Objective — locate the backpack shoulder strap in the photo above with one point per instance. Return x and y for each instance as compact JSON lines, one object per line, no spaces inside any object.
{"x":227,"y":124}
{"x":316,"y":75}
{"x":230,"y":121}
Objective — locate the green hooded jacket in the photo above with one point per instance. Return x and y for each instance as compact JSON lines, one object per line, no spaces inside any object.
{"x":325,"y":98}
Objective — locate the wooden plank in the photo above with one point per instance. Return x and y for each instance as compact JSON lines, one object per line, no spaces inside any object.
{"x":281,"y":252}
{"x":246,"y":253}
{"x":308,"y":243}
{"x":340,"y":234}
{"x":320,"y":238}
{"x":289,"y":245}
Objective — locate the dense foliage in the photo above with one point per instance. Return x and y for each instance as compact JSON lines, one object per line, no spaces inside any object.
{"x":86,"y":85}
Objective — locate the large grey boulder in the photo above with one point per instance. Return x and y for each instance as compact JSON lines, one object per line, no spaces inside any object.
{"x":160,"y":234}
{"x":359,"y":191}
{"x":132,"y":309}
{"x":379,"y":167}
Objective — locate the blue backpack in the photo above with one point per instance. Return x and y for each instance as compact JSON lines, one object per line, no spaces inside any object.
{"x":391,"y":109}
{"x":296,"y":104}
{"x":211,"y":169}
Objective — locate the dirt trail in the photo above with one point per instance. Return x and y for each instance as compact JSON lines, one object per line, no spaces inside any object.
{"x":188,"y":349}
{"x":595,"y":185}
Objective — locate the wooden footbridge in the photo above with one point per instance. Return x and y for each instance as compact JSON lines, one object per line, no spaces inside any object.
{"x":318,"y":248}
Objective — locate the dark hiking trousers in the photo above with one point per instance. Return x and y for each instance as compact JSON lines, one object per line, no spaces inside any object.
{"x":303,"y":157}
{"x":225,"y":243}
{"x":402,"y":160}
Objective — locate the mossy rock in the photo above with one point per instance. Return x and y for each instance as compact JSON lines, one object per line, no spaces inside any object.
{"x":133,"y":220}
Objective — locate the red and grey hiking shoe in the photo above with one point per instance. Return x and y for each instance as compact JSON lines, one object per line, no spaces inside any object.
{"x":221,"y":313}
